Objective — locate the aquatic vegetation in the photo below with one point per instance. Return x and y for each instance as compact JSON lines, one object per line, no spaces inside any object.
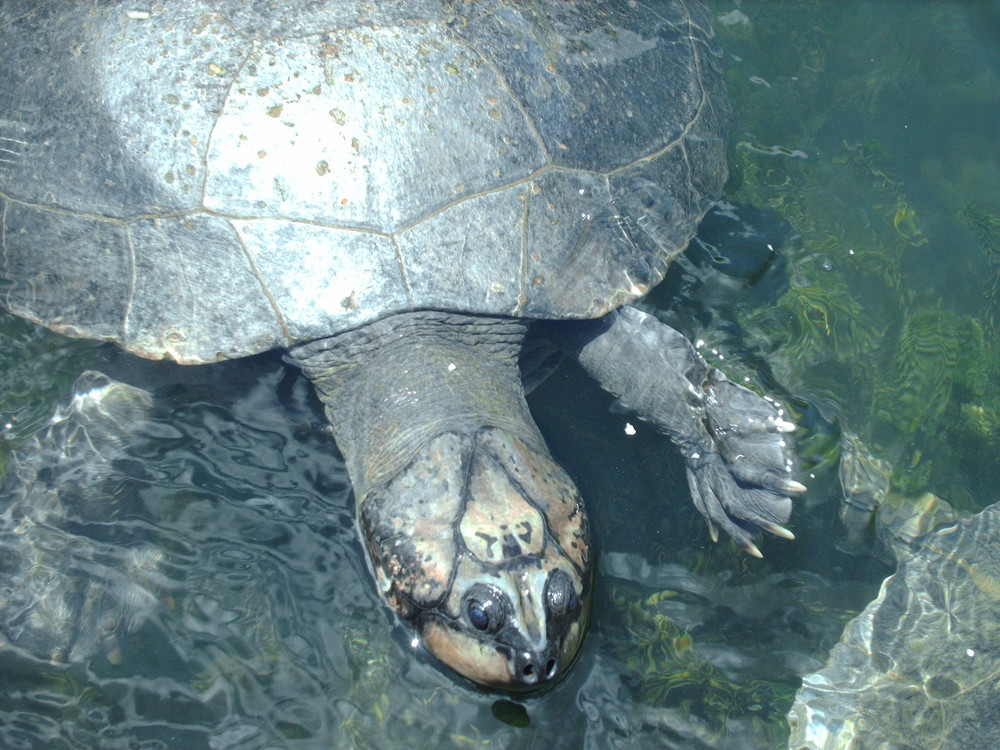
{"x":936,"y":351}
{"x":905,"y":221}
{"x":983,"y":418}
{"x":875,"y":318}
{"x":986,"y":227}
{"x":824,"y":317}
{"x":665,"y":667}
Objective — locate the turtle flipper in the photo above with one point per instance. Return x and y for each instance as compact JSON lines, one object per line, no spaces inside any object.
{"x":736,"y":444}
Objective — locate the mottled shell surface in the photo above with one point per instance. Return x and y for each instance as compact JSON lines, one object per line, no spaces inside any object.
{"x":206,"y":180}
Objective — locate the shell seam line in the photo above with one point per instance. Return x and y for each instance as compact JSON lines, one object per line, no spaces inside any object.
{"x":130,"y":296}
{"x":402,"y":269}
{"x":12,"y":21}
{"x":696,"y":54}
{"x":514,"y":97}
{"x":692,"y":43}
{"x":522,"y":297}
{"x":201,"y":210}
{"x":698,"y":62}
{"x":263,"y":285}
{"x":526,"y":180}
{"x":217,"y":117}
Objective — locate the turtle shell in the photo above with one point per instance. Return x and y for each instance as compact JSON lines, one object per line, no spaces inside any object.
{"x":207,"y":180}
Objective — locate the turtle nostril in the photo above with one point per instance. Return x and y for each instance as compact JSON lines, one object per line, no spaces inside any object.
{"x":532,"y":674}
{"x":550,"y":669}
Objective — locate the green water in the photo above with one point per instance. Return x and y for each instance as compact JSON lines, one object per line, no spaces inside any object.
{"x":870,"y":131}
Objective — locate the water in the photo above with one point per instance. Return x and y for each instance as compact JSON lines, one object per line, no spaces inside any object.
{"x":865,"y":137}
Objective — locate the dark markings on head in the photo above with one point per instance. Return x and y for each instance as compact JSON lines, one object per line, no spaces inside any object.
{"x":511,"y":548}
{"x":489,"y":539}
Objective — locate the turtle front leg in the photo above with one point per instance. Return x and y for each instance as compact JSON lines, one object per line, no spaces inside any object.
{"x":735,"y":443}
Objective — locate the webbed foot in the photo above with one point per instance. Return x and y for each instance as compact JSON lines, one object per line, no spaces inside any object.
{"x":739,"y":454}
{"x":739,"y":471}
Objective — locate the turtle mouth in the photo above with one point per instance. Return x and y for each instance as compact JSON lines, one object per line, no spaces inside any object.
{"x":515,"y":630}
{"x":494,"y":662}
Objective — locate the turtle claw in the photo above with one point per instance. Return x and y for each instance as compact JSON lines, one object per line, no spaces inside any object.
{"x":739,"y":466}
{"x":730,"y":505}
{"x":790,"y":485}
{"x":779,"y":531}
{"x":713,"y":532}
{"x":751,"y":435}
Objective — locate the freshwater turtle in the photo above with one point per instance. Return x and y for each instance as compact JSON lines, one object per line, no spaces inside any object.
{"x":920,"y":666}
{"x":398,"y":194}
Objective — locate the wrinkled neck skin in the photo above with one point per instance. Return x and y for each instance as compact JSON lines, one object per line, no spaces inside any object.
{"x":474,"y":533}
{"x":391,"y":386}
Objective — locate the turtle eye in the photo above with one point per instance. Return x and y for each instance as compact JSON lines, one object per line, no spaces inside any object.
{"x":560,"y":595}
{"x":484,"y":606}
{"x":478,"y":616}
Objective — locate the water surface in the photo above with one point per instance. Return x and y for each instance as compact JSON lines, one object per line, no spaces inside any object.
{"x":864,"y":152}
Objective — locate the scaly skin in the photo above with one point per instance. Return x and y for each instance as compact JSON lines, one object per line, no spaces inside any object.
{"x":474,"y":533}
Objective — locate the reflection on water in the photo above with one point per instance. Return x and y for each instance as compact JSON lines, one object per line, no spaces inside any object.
{"x":865,"y":138}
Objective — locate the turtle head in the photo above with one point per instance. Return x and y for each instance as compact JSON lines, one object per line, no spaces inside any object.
{"x":482,"y":543}
{"x":514,"y":632}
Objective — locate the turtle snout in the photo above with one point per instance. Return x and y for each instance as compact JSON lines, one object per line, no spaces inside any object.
{"x":532,"y":669}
